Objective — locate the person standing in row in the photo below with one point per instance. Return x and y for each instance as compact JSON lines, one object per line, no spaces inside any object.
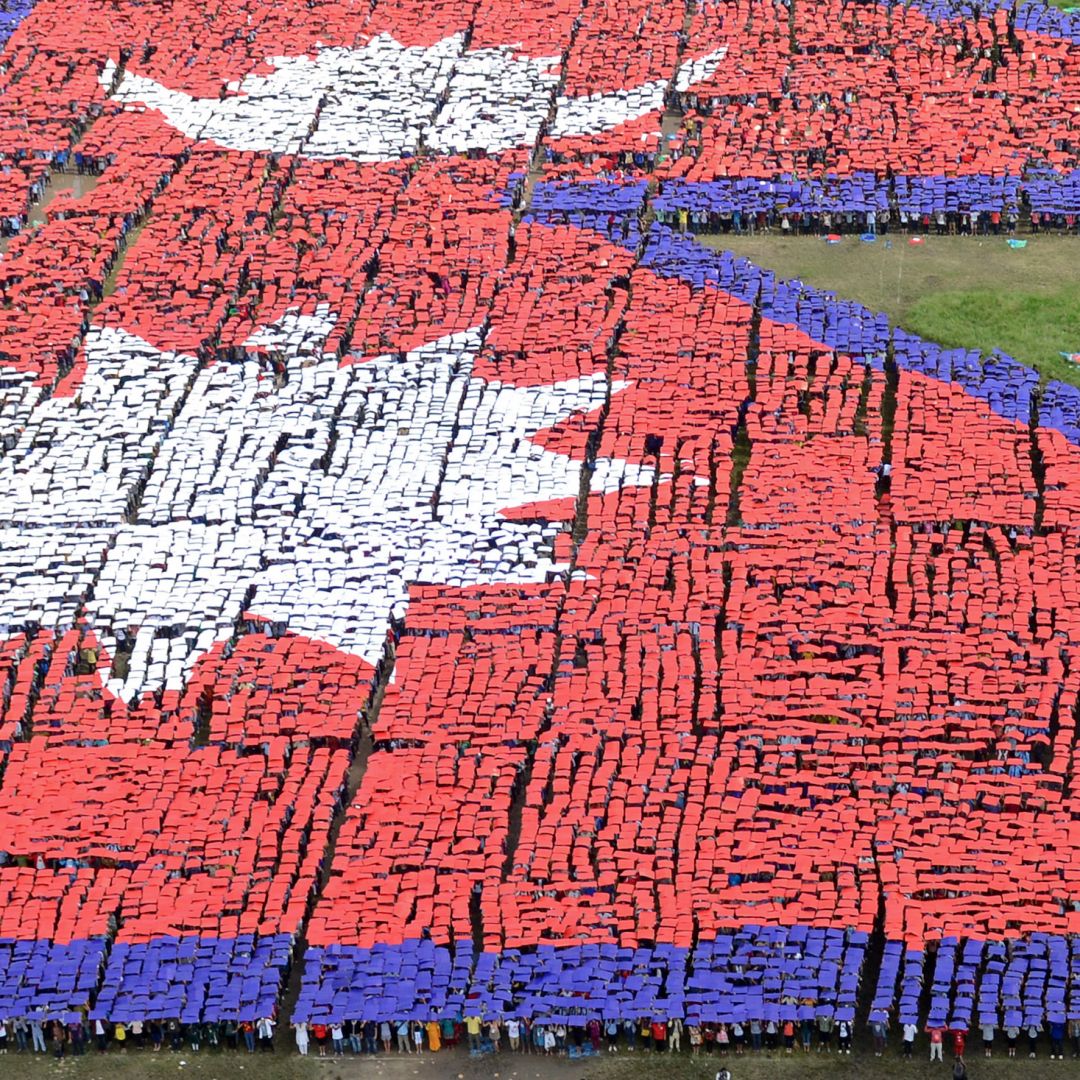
{"x":910,"y":1031}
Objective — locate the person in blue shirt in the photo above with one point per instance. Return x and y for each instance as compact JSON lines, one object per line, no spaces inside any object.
{"x":1057,"y":1040}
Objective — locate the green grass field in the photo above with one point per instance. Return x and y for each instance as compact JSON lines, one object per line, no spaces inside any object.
{"x":458,"y":1066}
{"x":964,"y":292}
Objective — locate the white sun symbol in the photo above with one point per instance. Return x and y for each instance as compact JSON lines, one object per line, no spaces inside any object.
{"x":313,"y":496}
{"x":384,"y":100}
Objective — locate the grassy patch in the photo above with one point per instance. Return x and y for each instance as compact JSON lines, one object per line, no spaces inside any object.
{"x":456,"y":1064}
{"x":964,"y":292}
{"x":214,"y":1065}
{"x":863,"y":1066}
{"x":1033,"y":328}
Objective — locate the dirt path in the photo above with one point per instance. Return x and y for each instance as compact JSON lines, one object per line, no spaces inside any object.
{"x":218,"y":1065}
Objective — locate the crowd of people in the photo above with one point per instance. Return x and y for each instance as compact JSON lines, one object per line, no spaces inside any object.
{"x":1006,"y":222}
{"x":80,"y":1034}
{"x":582,"y":1037}
{"x":232,"y":240}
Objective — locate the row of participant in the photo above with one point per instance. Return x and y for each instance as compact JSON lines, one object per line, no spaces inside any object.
{"x":583,"y":1038}
{"x":736,"y":219}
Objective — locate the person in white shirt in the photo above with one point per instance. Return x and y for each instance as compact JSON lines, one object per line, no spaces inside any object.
{"x":910,"y":1031}
{"x":301,"y":1038}
{"x":513,"y":1032}
{"x":674,"y":1031}
{"x":264,"y":1031}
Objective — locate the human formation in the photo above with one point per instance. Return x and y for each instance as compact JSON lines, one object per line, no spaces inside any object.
{"x":822,"y":1035}
{"x":690,"y":632}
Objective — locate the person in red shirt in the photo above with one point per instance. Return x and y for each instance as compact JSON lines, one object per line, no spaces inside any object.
{"x":659,"y":1034}
{"x":937,"y":1035}
{"x":959,"y":1042}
